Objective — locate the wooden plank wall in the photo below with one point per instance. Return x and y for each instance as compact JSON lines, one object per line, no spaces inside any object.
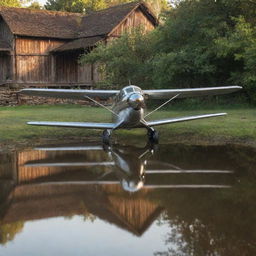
{"x":135,"y":19}
{"x":68,"y":69}
{"x":33,"y":60}
{"x":5,"y":33}
{"x":5,"y":72}
{"x":5,"y":59}
{"x":84,"y":74}
{"x":35,"y":64}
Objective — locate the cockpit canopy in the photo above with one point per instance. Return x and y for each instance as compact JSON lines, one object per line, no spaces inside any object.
{"x":130,"y":89}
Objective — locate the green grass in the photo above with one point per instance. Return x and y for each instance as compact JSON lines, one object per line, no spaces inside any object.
{"x":240,"y":124}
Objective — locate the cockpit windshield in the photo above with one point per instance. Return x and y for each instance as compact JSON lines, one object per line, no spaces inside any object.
{"x":129,"y":90}
{"x":132,"y":88}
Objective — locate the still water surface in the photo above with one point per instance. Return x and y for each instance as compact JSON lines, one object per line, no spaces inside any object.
{"x":123,"y":200}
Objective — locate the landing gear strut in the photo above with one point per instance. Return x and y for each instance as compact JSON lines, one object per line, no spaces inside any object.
{"x":153,"y":136}
{"x":106,"y":136}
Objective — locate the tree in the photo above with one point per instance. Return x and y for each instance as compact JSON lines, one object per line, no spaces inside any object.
{"x":189,"y":45}
{"x":9,"y":231}
{"x":87,"y":6}
{"x":202,"y":43}
{"x":241,"y":44}
{"x":82,"y":6}
{"x":124,"y":59}
{"x":35,"y":6}
{"x":10,"y":3}
{"x":157,"y":6}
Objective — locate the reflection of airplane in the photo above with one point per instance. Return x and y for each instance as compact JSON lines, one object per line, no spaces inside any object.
{"x":128,"y":109}
{"x":129,"y":165}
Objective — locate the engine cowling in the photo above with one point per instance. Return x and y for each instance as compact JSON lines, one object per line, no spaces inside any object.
{"x":136,"y":101}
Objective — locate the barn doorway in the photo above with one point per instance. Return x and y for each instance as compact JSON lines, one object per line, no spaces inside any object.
{"x":5,"y":67}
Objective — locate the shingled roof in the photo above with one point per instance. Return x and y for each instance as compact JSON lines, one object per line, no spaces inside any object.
{"x":41,"y":23}
{"x":84,"y":31}
{"x":96,"y":26}
{"x":81,"y":43}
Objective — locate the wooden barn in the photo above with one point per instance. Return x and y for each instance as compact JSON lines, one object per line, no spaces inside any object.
{"x":41,"y":48}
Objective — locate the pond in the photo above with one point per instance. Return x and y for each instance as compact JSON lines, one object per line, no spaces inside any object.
{"x":88,"y":199}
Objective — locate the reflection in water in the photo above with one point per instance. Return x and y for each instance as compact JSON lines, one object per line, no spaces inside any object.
{"x":204,"y":196}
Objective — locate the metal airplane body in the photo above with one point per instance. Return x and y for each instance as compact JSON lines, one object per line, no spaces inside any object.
{"x":129,"y":104}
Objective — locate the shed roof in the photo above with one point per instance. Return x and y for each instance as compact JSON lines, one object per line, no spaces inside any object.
{"x":81,"y":43}
{"x":41,"y":23}
{"x":66,"y":25}
{"x":104,"y":21}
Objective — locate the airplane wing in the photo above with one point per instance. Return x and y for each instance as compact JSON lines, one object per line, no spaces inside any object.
{"x":112,"y":182}
{"x":75,"y":124}
{"x":182,"y":119}
{"x":191,"y":92}
{"x":70,"y":94}
{"x":67,"y":164}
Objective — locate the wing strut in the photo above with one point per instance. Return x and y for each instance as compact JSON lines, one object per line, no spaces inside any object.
{"x":162,"y":105}
{"x":101,"y":105}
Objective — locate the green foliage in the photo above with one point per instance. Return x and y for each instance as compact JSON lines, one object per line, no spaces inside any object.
{"x":9,"y":231}
{"x":35,"y":6}
{"x":82,"y":6}
{"x":130,"y":59}
{"x":202,"y":43}
{"x":87,"y":6}
{"x":241,"y":44}
{"x":10,"y":3}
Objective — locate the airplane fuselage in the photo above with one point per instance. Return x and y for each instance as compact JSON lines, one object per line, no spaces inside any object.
{"x":129,"y":107}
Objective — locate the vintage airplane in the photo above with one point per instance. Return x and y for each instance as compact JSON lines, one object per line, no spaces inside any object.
{"x":128,"y":107}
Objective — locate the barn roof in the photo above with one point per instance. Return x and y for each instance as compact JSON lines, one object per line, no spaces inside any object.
{"x":104,"y":21}
{"x":96,"y":26}
{"x":65,"y":25}
{"x":81,"y":43}
{"x":41,"y":23}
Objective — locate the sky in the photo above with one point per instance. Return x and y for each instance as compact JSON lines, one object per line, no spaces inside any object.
{"x":42,"y":2}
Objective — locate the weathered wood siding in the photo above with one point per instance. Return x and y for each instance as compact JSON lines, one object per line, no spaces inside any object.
{"x":69,"y":71}
{"x":66,"y":68}
{"x":84,"y":74}
{"x":5,"y":33}
{"x":34,"y":63}
{"x":135,"y":19}
{"x":5,"y":57}
{"x":5,"y":72}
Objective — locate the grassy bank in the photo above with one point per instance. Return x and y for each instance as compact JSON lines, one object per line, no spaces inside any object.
{"x":239,"y":125}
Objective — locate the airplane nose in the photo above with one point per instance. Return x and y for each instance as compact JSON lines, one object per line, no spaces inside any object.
{"x":136,"y":101}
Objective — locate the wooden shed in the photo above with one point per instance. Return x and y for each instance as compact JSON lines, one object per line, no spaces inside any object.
{"x":41,"y":48}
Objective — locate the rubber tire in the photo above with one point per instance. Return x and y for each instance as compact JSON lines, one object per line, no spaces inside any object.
{"x":153,"y":136}
{"x":106,"y":137}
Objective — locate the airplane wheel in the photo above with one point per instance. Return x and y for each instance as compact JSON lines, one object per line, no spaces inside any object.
{"x":106,"y":137}
{"x":153,"y":136}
